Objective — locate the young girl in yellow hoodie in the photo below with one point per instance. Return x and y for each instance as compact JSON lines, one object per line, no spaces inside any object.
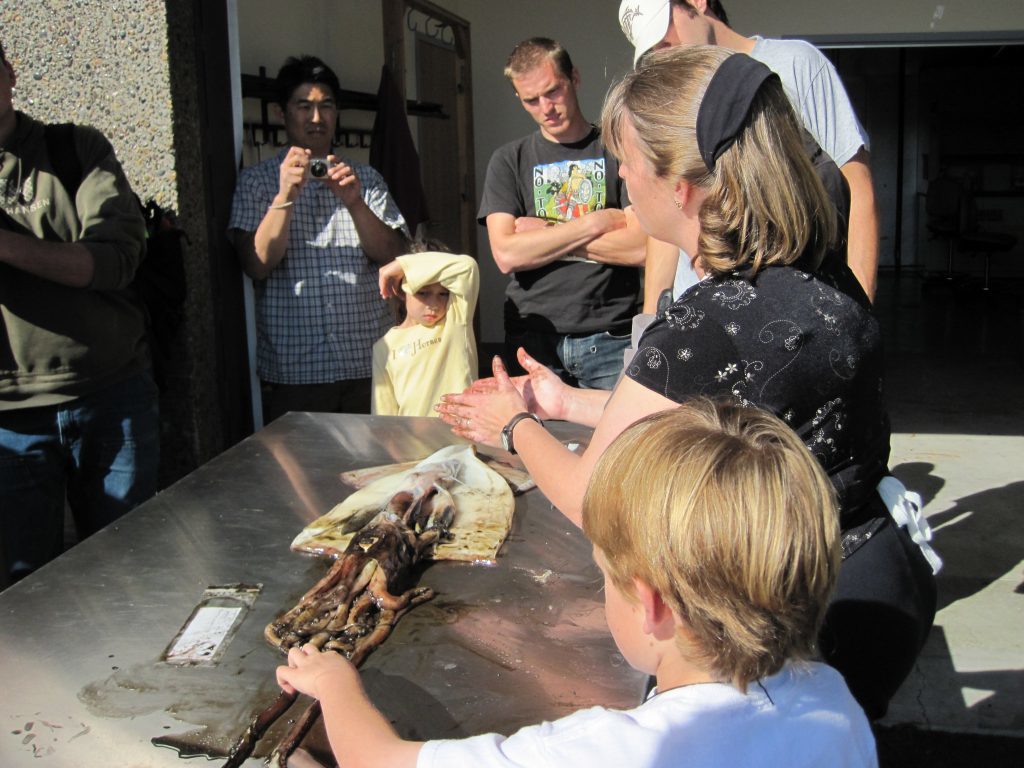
{"x":433,"y":351}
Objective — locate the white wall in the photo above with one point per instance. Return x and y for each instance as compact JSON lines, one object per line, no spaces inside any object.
{"x":347,"y":35}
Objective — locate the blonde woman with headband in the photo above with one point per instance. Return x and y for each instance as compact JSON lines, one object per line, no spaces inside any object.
{"x":710,"y":150}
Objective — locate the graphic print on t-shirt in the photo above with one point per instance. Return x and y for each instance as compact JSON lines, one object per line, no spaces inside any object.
{"x":414,"y":347}
{"x":569,"y":189}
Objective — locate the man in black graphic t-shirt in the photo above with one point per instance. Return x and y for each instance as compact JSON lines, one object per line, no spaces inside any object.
{"x":553,"y":206}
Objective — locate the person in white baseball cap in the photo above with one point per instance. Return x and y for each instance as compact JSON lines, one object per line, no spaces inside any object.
{"x":646,"y":23}
{"x":812,"y":85}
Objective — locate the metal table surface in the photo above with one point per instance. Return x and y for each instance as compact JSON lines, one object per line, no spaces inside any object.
{"x":81,"y":640}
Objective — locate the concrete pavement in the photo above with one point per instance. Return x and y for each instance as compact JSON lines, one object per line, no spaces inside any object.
{"x":956,"y":398}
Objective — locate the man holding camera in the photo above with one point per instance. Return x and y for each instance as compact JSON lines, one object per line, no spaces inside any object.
{"x":312,"y":230}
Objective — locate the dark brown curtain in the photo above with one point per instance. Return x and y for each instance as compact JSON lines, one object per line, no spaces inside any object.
{"x":393,"y":153}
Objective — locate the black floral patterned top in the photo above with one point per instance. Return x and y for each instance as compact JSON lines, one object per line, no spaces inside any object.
{"x":804,"y":347}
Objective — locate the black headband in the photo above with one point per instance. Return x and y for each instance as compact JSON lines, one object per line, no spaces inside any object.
{"x":726,"y":104}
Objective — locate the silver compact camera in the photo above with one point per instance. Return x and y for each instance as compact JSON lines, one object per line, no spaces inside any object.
{"x":318,"y":167}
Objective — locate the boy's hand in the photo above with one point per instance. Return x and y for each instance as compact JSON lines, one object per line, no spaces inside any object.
{"x":311,"y":671}
{"x":354,"y":725}
{"x":389,"y":279}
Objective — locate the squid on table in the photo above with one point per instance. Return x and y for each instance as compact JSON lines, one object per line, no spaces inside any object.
{"x":378,"y":541}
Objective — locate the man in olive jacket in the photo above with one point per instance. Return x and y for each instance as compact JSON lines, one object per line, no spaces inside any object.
{"x":78,"y":407}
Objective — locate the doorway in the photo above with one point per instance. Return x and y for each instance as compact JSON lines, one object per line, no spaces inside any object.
{"x":436,"y":79}
{"x":951,"y":110}
{"x":447,"y":166}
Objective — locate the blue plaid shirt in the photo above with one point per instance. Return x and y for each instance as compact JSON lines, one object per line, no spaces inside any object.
{"x":319,"y":312}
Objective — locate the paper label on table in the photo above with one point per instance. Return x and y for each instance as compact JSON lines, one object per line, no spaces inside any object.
{"x":204,"y":635}
{"x":212,"y":624}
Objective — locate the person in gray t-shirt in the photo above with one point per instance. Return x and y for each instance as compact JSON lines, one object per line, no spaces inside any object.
{"x":813,"y":87}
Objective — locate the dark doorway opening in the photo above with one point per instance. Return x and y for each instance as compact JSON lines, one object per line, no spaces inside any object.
{"x":954,"y":110}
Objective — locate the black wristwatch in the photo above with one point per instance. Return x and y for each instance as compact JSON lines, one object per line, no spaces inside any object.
{"x":506,"y":433}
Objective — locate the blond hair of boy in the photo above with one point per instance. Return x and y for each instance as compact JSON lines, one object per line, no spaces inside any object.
{"x":724,"y":515}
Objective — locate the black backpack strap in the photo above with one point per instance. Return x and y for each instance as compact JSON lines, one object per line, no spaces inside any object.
{"x":60,"y":146}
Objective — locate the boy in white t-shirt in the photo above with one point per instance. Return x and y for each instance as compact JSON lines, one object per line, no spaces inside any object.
{"x":433,"y":350}
{"x":717,"y":534}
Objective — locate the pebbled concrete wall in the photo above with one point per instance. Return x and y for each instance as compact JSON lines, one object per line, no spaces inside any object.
{"x":103,"y":64}
{"x":129,"y":68}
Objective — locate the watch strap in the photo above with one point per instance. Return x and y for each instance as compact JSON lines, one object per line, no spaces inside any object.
{"x":507,"y":430}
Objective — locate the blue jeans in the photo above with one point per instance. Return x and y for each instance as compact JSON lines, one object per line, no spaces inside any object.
{"x":592,"y":362}
{"x":101,"y":452}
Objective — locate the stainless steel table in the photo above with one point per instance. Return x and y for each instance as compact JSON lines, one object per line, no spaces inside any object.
{"x":81,"y":640}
